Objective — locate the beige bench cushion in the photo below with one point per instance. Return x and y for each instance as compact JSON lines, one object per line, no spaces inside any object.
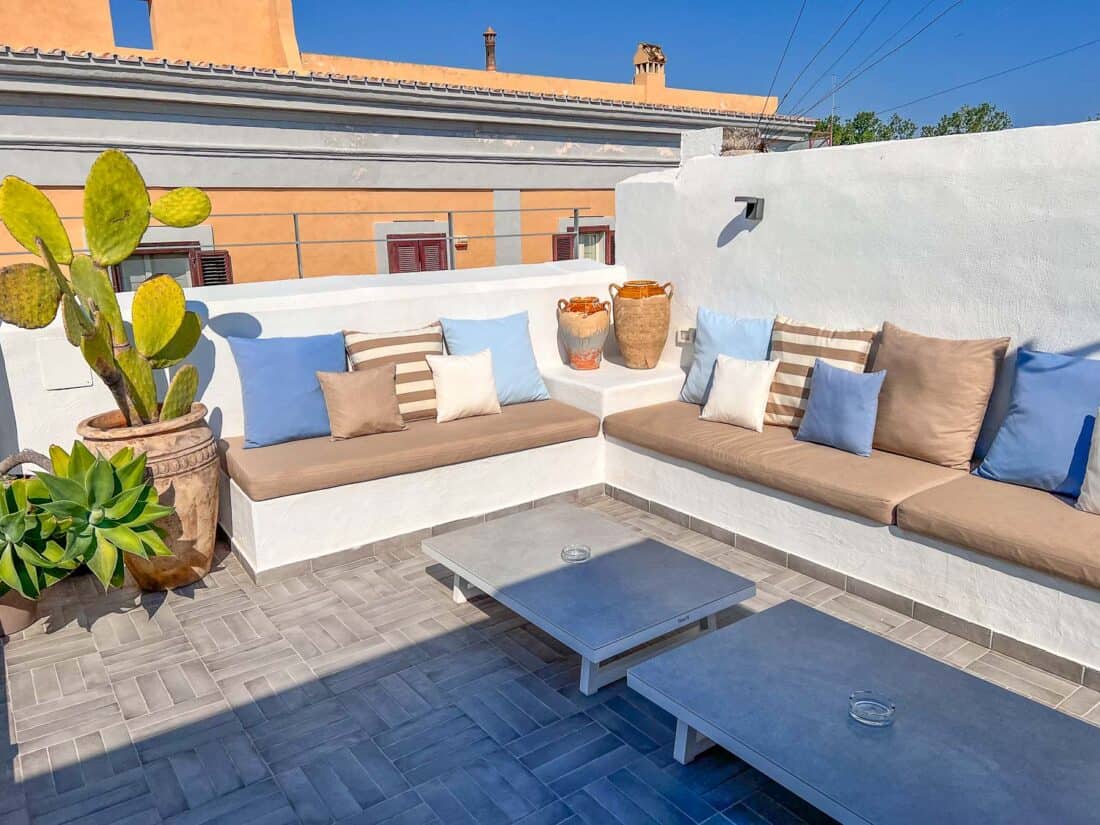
{"x":869,"y":487}
{"x":1030,"y":527}
{"x":319,"y":463}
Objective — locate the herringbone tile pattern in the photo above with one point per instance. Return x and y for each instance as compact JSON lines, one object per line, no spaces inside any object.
{"x":363,"y":694}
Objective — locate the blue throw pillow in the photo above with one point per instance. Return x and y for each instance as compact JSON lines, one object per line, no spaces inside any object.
{"x":1044,"y":440}
{"x":279,"y":387}
{"x":716,"y":334}
{"x":842,"y":408}
{"x":514,"y":368}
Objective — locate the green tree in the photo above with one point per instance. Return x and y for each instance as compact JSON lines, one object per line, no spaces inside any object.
{"x":985,"y":117}
{"x":866,"y":127}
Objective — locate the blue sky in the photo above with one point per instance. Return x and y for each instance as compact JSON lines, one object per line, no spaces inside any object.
{"x":734,"y":45}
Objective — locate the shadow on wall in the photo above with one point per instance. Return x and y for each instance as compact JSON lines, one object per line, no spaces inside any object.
{"x":204,"y":356}
{"x":9,"y":437}
{"x":734,"y":228}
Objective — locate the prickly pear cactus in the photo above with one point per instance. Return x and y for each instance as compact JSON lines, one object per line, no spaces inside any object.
{"x":185,"y":206}
{"x":29,"y":215}
{"x":157,"y":313}
{"x":181,"y":393}
{"x":28,"y":295}
{"x":116,"y":208}
{"x":117,"y":211}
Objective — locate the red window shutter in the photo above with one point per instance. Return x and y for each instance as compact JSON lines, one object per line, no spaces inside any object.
{"x":404,"y":256}
{"x":610,"y":256}
{"x":563,"y":247}
{"x":210,"y":267}
{"x":433,"y":254}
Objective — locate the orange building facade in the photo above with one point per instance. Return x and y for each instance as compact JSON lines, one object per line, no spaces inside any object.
{"x":329,"y":165}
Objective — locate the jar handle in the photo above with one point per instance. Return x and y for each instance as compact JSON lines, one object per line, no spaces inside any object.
{"x":562,"y":304}
{"x":606,"y":306}
{"x":614,"y":290}
{"x":667,"y":289}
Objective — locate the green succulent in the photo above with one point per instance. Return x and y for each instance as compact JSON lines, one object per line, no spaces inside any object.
{"x":89,"y":511}
{"x":117,"y":210}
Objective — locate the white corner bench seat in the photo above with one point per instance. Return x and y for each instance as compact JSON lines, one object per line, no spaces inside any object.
{"x":308,"y":499}
{"x":1004,"y":566}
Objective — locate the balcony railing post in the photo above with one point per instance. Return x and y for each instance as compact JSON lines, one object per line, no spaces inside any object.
{"x":576,"y":233}
{"x":298,"y":245}
{"x":451,"y":241}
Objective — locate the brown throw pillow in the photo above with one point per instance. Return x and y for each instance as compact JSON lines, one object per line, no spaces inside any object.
{"x":362,"y":402}
{"x":407,"y":349}
{"x":935,"y":394}
{"x":797,"y":347}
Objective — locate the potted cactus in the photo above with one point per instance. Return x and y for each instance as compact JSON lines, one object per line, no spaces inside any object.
{"x":82,"y":511}
{"x":171,"y":430}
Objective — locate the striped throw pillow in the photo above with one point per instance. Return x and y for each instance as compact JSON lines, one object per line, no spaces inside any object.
{"x":797,"y":347}
{"x":408,"y":350}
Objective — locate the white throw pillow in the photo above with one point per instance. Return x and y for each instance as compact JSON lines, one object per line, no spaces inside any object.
{"x":739,"y":395}
{"x":1089,"y":500}
{"x":464,"y":385}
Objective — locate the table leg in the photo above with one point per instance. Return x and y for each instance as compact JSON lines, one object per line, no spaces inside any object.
{"x":463,"y":591}
{"x":689,"y":743}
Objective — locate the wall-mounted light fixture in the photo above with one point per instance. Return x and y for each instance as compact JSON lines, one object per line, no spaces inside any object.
{"x":754,"y":208}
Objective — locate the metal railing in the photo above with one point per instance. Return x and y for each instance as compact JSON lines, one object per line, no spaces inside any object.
{"x":450,"y":237}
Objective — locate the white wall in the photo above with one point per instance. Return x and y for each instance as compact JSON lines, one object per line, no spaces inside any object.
{"x":968,"y":236}
{"x":32,"y":415}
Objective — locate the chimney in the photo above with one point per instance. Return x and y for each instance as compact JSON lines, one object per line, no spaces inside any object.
{"x":490,"y":49}
{"x":649,"y":66}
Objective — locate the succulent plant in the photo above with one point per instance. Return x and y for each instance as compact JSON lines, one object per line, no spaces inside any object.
{"x":117,"y":210}
{"x":89,"y":511}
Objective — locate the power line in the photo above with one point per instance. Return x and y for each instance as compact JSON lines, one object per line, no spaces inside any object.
{"x":843,"y":54}
{"x":1002,"y":73}
{"x":817,"y":54}
{"x":893,"y":51}
{"x":889,"y":39}
{"x":782,"y":57}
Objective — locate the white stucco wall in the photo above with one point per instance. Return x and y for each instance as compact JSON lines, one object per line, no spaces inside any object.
{"x":967,"y":236}
{"x":46,"y":388}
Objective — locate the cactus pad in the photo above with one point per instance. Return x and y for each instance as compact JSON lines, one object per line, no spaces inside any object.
{"x":97,"y":351}
{"x":116,"y":208}
{"x":29,"y":294}
{"x":75,"y":320}
{"x":157,"y":314}
{"x":181,"y":345}
{"x":29,"y":214}
{"x":140,"y":383}
{"x":181,"y":393}
{"x":185,"y":206}
{"x":93,"y":285}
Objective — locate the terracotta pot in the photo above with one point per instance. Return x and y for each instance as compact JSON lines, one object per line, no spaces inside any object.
{"x":584,"y":324}
{"x":183,"y":463}
{"x":16,"y":613}
{"x":642,"y":313}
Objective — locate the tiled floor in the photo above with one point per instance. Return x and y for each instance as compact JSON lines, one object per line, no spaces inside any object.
{"x":364,"y":694}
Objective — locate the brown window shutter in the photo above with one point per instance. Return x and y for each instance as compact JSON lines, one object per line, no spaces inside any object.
{"x":404,"y":256}
{"x":610,"y":256}
{"x":563,"y":247}
{"x":433,"y":254}
{"x":210,"y":267}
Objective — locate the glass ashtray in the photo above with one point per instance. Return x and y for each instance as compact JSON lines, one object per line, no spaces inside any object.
{"x":576,"y":553}
{"x":870,"y":708}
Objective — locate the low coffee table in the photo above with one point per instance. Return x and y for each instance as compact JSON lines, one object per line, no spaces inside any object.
{"x":773,"y":689}
{"x":632,"y":590}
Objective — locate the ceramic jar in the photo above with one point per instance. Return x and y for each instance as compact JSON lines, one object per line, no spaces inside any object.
{"x":584,"y":323}
{"x":642,"y":314}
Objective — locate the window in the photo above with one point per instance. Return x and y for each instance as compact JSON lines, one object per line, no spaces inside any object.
{"x":596,"y":243}
{"x":130,"y":21}
{"x":185,"y":261}
{"x":417,"y":253}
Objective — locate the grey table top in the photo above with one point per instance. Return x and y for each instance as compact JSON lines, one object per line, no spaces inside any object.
{"x":773,"y":688}
{"x":632,"y":586}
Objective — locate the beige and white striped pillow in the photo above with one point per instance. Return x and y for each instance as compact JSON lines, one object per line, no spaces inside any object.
{"x":797,"y":346}
{"x":408,"y":349}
